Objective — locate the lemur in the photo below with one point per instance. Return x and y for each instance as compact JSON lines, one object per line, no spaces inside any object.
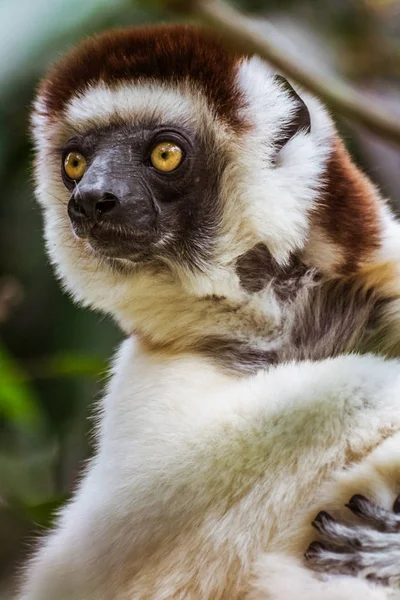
{"x":194,"y":195}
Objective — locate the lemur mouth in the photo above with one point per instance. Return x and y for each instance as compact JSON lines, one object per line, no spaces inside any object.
{"x":118,"y":242}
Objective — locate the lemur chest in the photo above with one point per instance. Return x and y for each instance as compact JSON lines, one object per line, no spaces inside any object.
{"x":200,"y":472}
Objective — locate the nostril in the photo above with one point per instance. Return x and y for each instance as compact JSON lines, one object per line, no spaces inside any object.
{"x":106,"y":204}
{"x":78,"y":208}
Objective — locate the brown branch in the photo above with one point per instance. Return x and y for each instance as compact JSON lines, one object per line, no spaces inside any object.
{"x":242,"y":33}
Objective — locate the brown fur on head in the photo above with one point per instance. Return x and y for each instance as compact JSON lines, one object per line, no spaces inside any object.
{"x":265,"y":221}
{"x":175,"y":53}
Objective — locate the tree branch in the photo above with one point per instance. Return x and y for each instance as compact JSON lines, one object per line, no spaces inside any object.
{"x":242,"y":33}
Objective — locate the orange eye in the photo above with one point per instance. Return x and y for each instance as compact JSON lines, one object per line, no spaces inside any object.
{"x":75,"y":165}
{"x":166,"y":156}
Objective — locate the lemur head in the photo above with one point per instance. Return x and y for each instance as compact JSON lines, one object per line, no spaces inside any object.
{"x":165,"y":162}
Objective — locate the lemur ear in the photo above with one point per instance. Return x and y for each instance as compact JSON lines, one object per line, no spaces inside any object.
{"x":301,"y":119}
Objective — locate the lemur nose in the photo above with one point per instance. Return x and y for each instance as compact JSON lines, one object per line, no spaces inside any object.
{"x":91,"y":204}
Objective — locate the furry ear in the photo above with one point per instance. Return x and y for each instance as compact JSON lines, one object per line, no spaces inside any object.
{"x":300,"y":121}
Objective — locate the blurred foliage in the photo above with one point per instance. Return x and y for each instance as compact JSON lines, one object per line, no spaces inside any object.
{"x":18,"y":403}
{"x":53,"y":356}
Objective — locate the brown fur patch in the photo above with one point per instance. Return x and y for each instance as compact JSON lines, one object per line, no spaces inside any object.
{"x":163,"y":53}
{"x":380,"y":276}
{"x":349,"y":210}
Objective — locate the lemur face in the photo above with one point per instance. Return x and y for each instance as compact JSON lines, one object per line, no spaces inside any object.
{"x":143,"y":192}
{"x":160,"y":151}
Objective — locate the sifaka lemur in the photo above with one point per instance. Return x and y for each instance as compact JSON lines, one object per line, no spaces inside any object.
{"x":194,"y":195}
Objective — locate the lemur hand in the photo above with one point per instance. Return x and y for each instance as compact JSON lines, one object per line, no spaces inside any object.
{"x":370,"y":549}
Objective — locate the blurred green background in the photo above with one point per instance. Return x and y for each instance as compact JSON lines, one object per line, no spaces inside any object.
{"x":53,"y":356}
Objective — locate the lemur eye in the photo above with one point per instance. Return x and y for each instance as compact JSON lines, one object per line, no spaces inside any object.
{"x":166,"y":156}
{"x":75,"y":165}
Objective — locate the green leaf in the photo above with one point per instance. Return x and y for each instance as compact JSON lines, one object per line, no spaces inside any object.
{"x":18,"y":402}
{"x":66,"y":365}
{"x":43,"y":514}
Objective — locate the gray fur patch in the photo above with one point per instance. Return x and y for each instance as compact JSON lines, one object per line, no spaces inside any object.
{"x":332,"y":318}
{"x":237,"y":356}
{"x":321,"y":319}
{"x":257,"y":268}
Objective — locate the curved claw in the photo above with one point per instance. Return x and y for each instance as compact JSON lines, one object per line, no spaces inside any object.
{"x":381,"y":519}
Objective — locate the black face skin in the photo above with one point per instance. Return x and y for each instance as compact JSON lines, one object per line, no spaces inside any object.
{"x":128,"y":209}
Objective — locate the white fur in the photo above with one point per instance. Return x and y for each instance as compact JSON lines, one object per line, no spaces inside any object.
{"x":175,"y":436}
{"x":204,"y":486}
{"x":284,"y":578}
{"x":99,"y":105}
{"x":280,"y":197}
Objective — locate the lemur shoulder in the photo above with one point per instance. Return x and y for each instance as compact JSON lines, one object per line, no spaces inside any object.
{"x":213,"y":211}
